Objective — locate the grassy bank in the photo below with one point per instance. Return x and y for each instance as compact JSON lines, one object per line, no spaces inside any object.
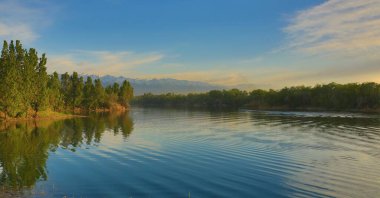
{"x":49,"y":114}
{"x":43,"y":115}
{"x":53,"y":115}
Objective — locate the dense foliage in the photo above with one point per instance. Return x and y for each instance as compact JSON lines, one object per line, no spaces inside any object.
{"x":333,"y":96}
{"x":215,"y":99}
{"x":25,"y":86}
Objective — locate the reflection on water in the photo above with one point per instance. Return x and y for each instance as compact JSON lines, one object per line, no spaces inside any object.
{"x":174,"y":153}
{"x":25,"y":146}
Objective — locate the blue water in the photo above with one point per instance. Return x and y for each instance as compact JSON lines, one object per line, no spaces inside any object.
{"x":183,"y":153}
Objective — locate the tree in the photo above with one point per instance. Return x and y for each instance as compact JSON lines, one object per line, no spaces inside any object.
{"x":25,"y":86}
{"x":76,"y":90}
{"x":88,"y":97}
{"x":99,"y":94}
{"x":112,"y":93}
{"x":25,"y":68}
{"x":39,"y":97}
{"x":125,"y":94}
{"x":3,"y":75}
{"x":55,"y":97}
{"x":65,"y":89}
{"x":11,"y":95}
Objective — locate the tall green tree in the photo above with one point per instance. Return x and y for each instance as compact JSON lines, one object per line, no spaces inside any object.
{"x":25,"y":72}
{"x":55,"y":97}
{"x":88,"y":94}
{"x":11,"y":95}
{"x":99,"y":94}
{"x":125,"y":93}
{"x":76,"y":90}
{"x":3,"y":74}
{"x":25,"y":86}
{"x":39,"y":97}
{"x":65,"y":89}
{"x":28,"y":76}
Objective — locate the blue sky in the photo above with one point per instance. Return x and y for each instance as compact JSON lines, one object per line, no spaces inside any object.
{"x":270,"y":43}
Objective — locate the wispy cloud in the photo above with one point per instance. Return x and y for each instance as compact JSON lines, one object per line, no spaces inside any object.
{"x":338,"y":40}
{"x":17,"y":32}
{"x":21,"y":20}
{"x":337,"y":26}
{"x":101,"y":62}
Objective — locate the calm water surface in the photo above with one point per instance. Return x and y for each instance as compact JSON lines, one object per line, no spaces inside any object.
{"x":182,"y":153}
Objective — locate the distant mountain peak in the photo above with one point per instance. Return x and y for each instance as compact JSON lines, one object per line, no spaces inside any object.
{"x":159,"y":86}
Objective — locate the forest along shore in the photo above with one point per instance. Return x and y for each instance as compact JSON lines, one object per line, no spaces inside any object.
{"x":29,"y":92}
{"x":352,"y":97}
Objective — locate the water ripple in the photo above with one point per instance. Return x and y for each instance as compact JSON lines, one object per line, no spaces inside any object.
{"x":174,"y":153}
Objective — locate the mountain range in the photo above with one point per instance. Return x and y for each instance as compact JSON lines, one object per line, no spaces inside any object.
{"x":160,"y":86}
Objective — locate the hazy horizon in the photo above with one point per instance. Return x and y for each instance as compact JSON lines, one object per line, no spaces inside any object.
{"x":268,"y":44}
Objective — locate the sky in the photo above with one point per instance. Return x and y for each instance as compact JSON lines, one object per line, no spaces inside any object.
{"x":246,"y":43}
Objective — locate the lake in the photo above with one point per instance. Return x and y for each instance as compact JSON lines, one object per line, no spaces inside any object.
{"x":190,"y":153}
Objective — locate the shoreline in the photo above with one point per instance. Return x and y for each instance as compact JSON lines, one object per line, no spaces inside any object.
{"x":50,"y":117}
{"x":53,"y":115}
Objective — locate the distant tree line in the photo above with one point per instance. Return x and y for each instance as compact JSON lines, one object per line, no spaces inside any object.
{"x":333,"y":96}
{"x":26,"y":88}
{"x":214,"y":99}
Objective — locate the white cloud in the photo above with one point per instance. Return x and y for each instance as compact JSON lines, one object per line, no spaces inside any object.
{"x":345,"y":27}
{"x":17,"y":32}
{"x":21,"y":20}
{"x":336,"y":41}
{"x":119,"y":63}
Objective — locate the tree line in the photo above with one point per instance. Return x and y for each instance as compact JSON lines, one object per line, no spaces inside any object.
{"x":26,"y":88}
{"x":332,"y":96}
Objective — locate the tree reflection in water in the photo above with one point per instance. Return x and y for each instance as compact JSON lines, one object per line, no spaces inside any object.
{"x":25,"y":147}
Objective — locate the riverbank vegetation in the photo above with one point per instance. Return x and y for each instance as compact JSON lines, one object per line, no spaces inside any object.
{"x":333,"y":96}
{"x":27,"y":89}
